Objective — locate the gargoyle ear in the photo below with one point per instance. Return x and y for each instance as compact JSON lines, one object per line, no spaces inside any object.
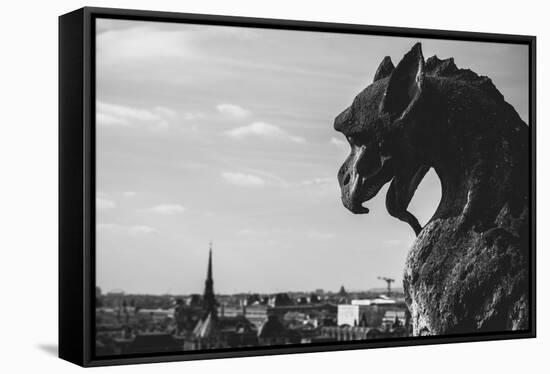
{"x":405,"y":84}
{"x":384,"y":70}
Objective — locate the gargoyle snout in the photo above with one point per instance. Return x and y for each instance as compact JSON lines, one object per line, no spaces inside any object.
{"x":361,"y":162}
{"x":350,"y":180}
{"x":361,"y":176}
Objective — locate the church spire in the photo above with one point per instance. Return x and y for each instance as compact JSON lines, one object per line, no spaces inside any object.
{"x":209,"y":272}
{"x":209,"y":300}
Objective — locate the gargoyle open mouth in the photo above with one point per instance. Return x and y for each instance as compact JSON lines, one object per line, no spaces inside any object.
{"x":358,"y":188}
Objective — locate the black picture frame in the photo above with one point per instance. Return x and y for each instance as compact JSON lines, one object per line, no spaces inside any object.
{"x":77,"y":182}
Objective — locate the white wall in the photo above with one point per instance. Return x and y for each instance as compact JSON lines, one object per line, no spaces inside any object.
{"x":28,"y":205}
{"x":348,"y":315}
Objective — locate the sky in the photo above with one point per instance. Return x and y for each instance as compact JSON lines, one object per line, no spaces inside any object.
{"x":224,"y":134}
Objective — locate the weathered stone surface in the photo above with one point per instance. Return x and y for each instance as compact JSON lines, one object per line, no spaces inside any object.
{"x":460,"y":282}
{"x":468,"y":269}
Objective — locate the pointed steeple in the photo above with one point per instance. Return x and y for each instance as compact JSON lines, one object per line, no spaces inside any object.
{"x":209,"y":300}
{"x":209,"y":271}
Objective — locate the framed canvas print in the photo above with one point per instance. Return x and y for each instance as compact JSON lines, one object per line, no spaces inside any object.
{"x":236,"y":186}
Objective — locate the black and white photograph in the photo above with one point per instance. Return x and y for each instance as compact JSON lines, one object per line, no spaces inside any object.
{"x":260,"y":187}
{"x":268,"y":187}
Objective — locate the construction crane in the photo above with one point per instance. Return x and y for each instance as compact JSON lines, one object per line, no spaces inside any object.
{"x":389,"y":281}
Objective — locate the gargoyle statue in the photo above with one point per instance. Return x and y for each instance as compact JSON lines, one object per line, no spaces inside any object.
{"x":468,"y":270}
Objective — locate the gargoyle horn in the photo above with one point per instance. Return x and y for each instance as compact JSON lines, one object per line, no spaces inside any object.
{"x":405,"y":84}
{"x":384,"y":69}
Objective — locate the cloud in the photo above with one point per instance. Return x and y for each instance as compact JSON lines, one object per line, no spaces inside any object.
{"x":124,"y":229}
{"x":105,"y":119}
{"x":129,"y":193}
{"x":318,"y":181}
{"x":232,"y":110}
{"x":193,"y":116}
{"x":165,"y":111}
{"x":120,"y":41}
{"x":167,"y":209}
{"x":263,"y":130}
{"x":141,"y":43}
{"x":260,"y":178}
{"x":112,"y":115}
{"x":338,"y":142}
{"x":126,"y":112}
{"x":102,"y":203}
{"x":243,"y":180}
{"x":269,"y":178}
{"x":320,"y":188}
{"x":142,"y":230}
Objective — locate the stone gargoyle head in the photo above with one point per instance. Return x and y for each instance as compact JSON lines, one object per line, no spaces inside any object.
{"x":385,"y":129}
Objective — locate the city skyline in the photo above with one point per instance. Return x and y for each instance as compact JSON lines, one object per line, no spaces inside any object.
{"x":225,"y":134}
{"x":209,"y":284}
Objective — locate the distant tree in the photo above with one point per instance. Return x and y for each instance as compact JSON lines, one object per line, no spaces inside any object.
{"x":282,"y":299}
